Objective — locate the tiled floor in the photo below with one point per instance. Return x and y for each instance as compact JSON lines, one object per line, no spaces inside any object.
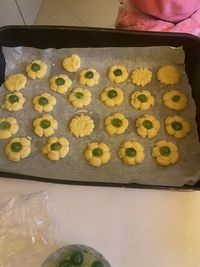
{"x":91,"y":13}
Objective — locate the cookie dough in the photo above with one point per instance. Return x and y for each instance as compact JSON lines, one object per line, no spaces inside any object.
{"x":80,"y":98}
{"x":8,"y":127}
{"x":165,"y":153}
{"x":81,"y":125}
{"x":89,"y":77}
{"x":116,"y":124}
{"x":175,"y":100}
{"x":14,"y":101}
{"x":45,"y":125}
{"x":147,"y":126}
{"x":177,"y":126}
{"x":60,"y":83}
{"x":97,"y":154}
{"x":36,"y":69}
{"x":117,"y":73}
{"x":141,"y":76}
{"x":142,"y":100}
{"x":168,"y":75}
{"x":72,"y":63}
{"x":18,"y":148}
{"x":44,"y":102}
{"x":15,"y":82}
{"x":56,"y":148}
{"x":111,"y":96}
{"x":131,"y":152}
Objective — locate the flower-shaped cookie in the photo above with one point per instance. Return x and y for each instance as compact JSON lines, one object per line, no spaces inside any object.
{"x":8,"y":127}
{"x":168,"y":75}
{"x":117,"y":73}
{"x":14,"y":101}
{"x":141,"y":76}
{"x":142,"y":100}
{"x":60,"y":83}
{"x":36,"y":69}
{"x":56,"y":148}
{"x":89,"y":77}
{"x":81,"y":125}
{"x":175,"y":99}
{"x":97,"y":154}
{"x":147,"y":126}
{"x":112,"y":96}
{"x":131,"y":152}
{"x":116,"y":124}
{"x":15,"y":82}
{"x":177,"y":126}
{"x":45,"y":125}
{"x":72,"y":63}
{"x":18,"y":148}
{"x":80,"y":98}
{"x":44,"y":102}
{"x":165,"y":152}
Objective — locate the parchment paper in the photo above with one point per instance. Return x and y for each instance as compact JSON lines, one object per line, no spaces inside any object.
{"x":74,"y":166}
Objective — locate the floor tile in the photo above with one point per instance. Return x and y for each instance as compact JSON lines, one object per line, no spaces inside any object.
{"x":9,"y":13}
{"x":49,"y":8}
{"x":70,"y":3}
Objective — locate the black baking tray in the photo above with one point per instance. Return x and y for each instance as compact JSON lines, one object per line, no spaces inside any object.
{"x":63,"y":37}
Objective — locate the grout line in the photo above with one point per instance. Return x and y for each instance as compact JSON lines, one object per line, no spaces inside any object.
{"x":20,"y":12}
{"x":39,"y":11}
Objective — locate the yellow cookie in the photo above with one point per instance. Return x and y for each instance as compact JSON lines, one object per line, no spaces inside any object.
{"x":15,"y":82}
{"x":45,"y":125}
{"x":81,"y":125}
{"x":14,"y":101}
{"x":168,"y":75}
{"x":131,"y":152}
{"x":44,"y":102}
{"x":36,"y":69}
{"x":142,"y":100}
{"x":112,"y":96}
{"x":97,"y":154}
{"x":8,"y":127}
{"x":18,"y":148}
{"x":56,"y":148}
{"x":89,"y":77}
{"x":72,"y":63}
{"x":116,"y":124}
{"x":80,"y":98}
{"x":141,"y":76}
{"x":60,"y":83}
{"x":175,"y":99}
{"x":165,"y":153}
{"x":177,"y":126}
{"x":117,"y":73}
{"x":147,"y":126}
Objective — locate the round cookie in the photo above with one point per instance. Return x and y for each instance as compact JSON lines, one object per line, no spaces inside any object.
{"x":15,"y":82}
{"x":168,"y":75}
{"x":117,"y":73}
{"x":44,"y":102}
{"x":142,"y":100}
{"x":141,"y":76}
{"x":18,"y":148}
{"x":14,"y":101}
{"x":97,"y":154}
{"x":56,"y":148}
{"x":8,"y":127}
{"x":165,"y":153}
{"x":116,"y":124}
{"x":60,"y":83}
{"x":175,"y":100}
{"x":45,"y":125}
{"x":147,"y":126}
{"x":81,"y":125}
{"x":72,"y":63}
{"x":177,"y":126}
{"x":111,"y":96}
{"x":36,"y":69}
{"x":89,"y":77}
{"x":131,"y":152}
{"x":80,"y":98}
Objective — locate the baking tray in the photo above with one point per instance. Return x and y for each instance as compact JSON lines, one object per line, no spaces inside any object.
{"x":63,"y":37}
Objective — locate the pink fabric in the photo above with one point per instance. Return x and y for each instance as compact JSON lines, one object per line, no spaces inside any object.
{"x":160,"y":15}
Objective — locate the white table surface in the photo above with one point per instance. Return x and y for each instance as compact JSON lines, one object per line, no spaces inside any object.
{"x":130,"y":227}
